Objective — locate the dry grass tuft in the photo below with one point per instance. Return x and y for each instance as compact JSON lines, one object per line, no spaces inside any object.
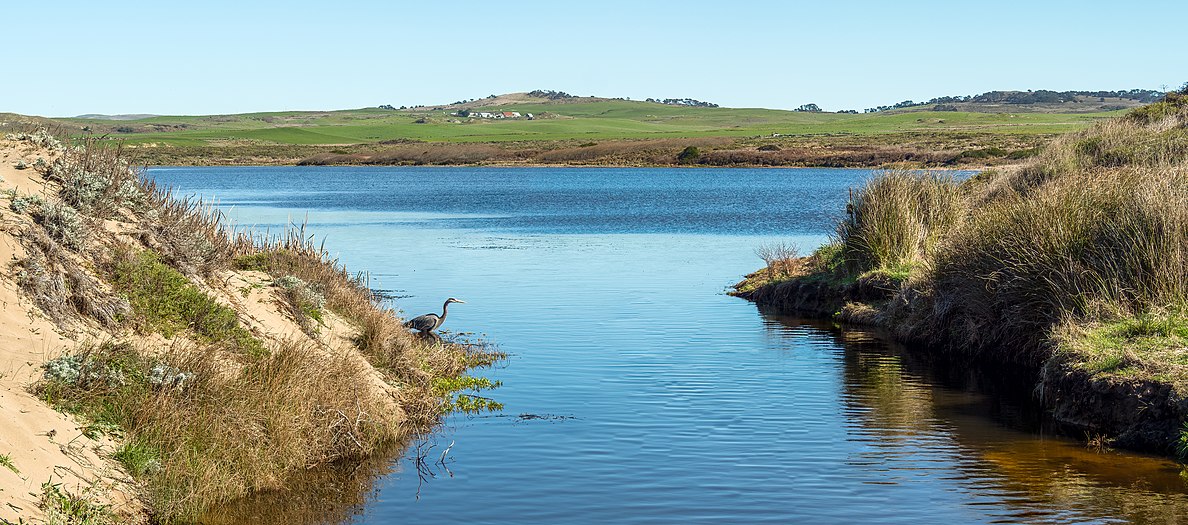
{"x":897,"y":218}
{"x":782,"y":260}
{"x":198,"y":433}
{"x":190,"y":234}
{"x":61,"y":287}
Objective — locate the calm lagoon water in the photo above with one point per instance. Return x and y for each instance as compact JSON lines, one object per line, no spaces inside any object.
{"x":637,"y":391}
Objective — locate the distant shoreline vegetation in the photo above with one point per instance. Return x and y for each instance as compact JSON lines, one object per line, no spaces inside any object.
{"x":1042,"y":96}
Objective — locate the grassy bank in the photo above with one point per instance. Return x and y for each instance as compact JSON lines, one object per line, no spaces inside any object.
{"x":1076,"y":262}
{"x":220,"y":363}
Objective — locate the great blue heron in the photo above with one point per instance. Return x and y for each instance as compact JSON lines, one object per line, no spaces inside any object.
{"x":429,"y":322}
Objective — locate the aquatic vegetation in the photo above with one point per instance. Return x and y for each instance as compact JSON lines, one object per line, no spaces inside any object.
{"x":451,"y":388}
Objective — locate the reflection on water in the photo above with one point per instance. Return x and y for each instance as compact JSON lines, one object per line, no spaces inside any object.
{"x":986,"y":420}
{"x":637,"y":392}
{"x":333,"y":494}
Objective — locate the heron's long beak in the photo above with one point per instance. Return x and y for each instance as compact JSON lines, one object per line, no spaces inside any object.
{"x":459,"y":301}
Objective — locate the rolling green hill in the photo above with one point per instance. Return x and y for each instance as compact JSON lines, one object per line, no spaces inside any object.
{"x":293,"y":135}
{"x":598,"y":119}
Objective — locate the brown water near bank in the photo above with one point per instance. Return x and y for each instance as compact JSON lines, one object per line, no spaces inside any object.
{"x":1010,"y":445}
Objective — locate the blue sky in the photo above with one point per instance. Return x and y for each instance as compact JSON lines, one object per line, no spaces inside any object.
{"x":66,"y":58}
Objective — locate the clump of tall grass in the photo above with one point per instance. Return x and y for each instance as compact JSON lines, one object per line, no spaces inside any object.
{"x":223,"y":433}
{"x":95,"y":180}
{"x":1083,"y":246}
{"x":191,"y":235}
{"x":895,"y":221}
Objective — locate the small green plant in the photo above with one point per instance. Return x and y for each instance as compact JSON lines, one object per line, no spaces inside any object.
{"x":140,"y":458}
{"x":41,"y":137}
{"x":24,"y":203}
{"x":6,"y":461}
{"x":62,"y":507}
{"x":1182,"y":443}
{"x":62,"y":222}
{"x":259,"y":262}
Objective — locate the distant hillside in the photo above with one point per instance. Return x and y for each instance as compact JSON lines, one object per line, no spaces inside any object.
{"x":1039,"y":101}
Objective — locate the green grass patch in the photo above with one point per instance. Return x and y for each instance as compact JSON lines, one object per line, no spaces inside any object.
{"x":259,"y":262}
{"x":6,"y":462}
{"x":897,"y":273}
{"x":585,"y":121}
{"x":139,"y":457}
{"x":164,"y":301}
{"x":1150,"y":345}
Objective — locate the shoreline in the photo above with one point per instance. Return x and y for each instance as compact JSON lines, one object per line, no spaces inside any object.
{"x":974,"y":167}
{"x":1142,"y":416}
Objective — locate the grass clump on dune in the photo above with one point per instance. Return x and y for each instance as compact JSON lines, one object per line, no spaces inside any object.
{"x":196,"y":433}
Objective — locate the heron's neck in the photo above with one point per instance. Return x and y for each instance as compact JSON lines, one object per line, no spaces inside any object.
{"x":444,"y":307}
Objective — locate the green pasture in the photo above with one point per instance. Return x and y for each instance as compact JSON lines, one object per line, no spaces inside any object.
{"x":603,"y":119}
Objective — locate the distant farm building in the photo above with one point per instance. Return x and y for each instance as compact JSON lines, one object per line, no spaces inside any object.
{"x":498,"y":115}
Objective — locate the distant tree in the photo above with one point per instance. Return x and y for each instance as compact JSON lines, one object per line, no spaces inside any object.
{"x":809,"y":108}
{"x":689,"y":155}
{"x":464,"y":112}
